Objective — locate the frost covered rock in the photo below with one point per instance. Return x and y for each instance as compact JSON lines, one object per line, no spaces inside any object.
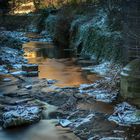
{"x":125,"y":114}
{"x":106,"y":96}
{"x":15,"y":34}
{"x":28,"y":86}
{"x":50,"y":81}
{"x":99,"y":94}
{"x":82,"y":121}
{"x":64,"y":122}
{"x":102,"y":68}
{"x":3,"y":70}
{"x":18,"y":73}
{"x":21,"y":116}
{"x":7,"y":80}
{"x":112,"y":138}
{"x":13,"y":57}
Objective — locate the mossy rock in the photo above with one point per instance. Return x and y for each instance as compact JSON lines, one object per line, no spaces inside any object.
{"x":130,"y":81}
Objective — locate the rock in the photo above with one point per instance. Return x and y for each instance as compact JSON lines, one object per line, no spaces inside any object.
{"x":92,"y":138}
{"x":3,"y":70}
{"x":21,"y":115}
{"x":86,"y":86}
{"x":47,"y":108}
{"x":130,"y":82}
{"x":85,"y":62}
{"x":102,"y":68}
{"x":14,"y":101}
{"x":18,"y":73}
{"x":125,"y":114}
{"x":28,"y":87}
{"x":31,"y":74}
{"x":30,"y":67}
{"x":103,"y":95}
{"x":64,"y":122}
{"x":50,"y":81}
{"x":82,"y":121}
{"x":30,"y":70}
{"x":7,"y":80}
{"x":17,"y":66}
{"x":112,"y":138}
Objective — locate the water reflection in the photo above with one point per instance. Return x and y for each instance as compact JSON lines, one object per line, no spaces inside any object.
{"x":44,"y":50}
{"x":55,"y":63}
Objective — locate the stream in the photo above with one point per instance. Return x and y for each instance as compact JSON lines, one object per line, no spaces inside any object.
{"x":59,"y":64}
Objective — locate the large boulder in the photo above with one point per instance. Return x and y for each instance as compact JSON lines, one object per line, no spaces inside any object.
{"x":130,"y":82}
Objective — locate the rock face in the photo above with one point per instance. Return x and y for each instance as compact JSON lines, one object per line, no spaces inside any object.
{"x":88,"y":36}
{"x":130,"y":81}
{"x":21,"y":115}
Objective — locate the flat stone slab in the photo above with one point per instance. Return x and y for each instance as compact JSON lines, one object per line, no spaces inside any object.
{"x":30,"y":67}
{"x":31,"y":74}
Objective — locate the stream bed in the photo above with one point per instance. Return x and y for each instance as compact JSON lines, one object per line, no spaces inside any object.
{"x":87,"y":118}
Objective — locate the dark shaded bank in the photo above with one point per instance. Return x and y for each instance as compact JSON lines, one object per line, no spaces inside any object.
{"x":89,"y":30}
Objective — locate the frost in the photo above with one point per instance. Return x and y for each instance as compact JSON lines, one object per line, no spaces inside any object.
{"x":112,"y":138}
{"x":102,"y":68}
{"x":64,"y":122}
{"x":3,"y":70}
{"x":82,"y":121}
{"x":125,"y":114}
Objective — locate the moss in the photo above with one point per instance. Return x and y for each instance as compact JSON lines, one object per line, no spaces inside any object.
{"x":59,"y":27}
{"x":138,"y":113}
{"x":50,"y":24}
{"x":87,"y":34}
{"x":96,"y":38}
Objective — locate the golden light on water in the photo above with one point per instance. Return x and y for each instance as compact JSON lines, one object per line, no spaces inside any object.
{"x":64,"y":70}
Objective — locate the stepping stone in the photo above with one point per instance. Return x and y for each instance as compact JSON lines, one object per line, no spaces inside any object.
{"x":30,"y":67}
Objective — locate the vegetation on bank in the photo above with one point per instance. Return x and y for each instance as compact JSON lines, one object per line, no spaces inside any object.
{"x":88,"y":29}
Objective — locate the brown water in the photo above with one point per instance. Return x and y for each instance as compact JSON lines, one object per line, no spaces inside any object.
{"x":97,"y":107}
{"x":56,"y":63}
